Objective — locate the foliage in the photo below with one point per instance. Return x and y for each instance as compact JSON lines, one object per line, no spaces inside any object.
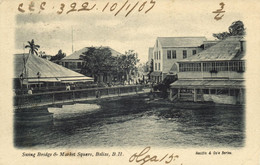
{"x":60,"y":55}
{"x":32,"y":47}
{"x":151,"y":66}
{"x":41,"y":54}
{"x":127,"y":63}
{"x":143,"y":67}
{"x":97,"y":60}
{"x":100,"y":60}
{"x":235,"y":29}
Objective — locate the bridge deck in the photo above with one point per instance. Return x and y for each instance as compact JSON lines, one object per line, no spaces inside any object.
{"x":64,"y":97}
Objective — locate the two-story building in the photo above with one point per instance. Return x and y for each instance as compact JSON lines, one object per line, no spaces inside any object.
{"x":215,"y":74}
{"x":170,"y":50}
{"x":74,"y":62}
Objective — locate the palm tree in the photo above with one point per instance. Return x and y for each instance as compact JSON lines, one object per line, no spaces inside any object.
{"x":33,"y":48}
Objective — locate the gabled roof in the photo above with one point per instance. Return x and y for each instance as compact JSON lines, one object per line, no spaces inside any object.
{"x":76,"y":54}
{"x":181,"y":41}
{"x":34,"y":64}
{"x":228,"y":49}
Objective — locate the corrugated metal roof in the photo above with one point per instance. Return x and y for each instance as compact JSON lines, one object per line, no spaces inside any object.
{"x":208,"y":83}
{"x":228,"y":49}
{"x":48,"y":70}
{"x":76,"y":54}
{"x":181,"y":41}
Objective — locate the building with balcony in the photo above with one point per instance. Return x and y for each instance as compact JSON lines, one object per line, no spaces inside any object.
{"x":215,"y":74}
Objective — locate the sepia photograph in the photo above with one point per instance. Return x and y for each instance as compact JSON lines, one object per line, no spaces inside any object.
{"x":151,"y":75}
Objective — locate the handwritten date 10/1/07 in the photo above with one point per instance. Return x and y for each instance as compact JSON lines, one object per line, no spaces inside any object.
{"x":143,"y":157}
{"x":114,"y":7}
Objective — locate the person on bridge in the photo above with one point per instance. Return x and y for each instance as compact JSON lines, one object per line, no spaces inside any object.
{"x":68,"y":87}
{"x":97,"y":93}
{"x":30,"y":91}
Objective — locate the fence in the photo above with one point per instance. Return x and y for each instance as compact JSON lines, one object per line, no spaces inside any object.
{"x":72,"y":95}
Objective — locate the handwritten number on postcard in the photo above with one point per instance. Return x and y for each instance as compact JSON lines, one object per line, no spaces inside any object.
{"x":125,"y":8}
{"x":62,"y":5}
{"x":73,"y":6}
{"x":152,"y":2}
{"x":85,"y":7}
{"x":219,"y":11}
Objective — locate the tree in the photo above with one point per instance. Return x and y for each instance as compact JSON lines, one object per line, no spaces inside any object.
{"x":127,"y":63}
{"x":235,"y":29}
{"x":96,"y":61}
{"x":32,"y":47}
{"x":60,"y":55}
{"x":151,"y":66}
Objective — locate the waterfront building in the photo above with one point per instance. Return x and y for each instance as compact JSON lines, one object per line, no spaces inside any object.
{"x":75,"y":62}
{"x":170,"y":50}
{"x":215,"y":74}
{"x":31,"y":71}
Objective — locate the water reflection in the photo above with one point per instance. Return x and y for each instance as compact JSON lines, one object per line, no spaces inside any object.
{"x":132,"y":122}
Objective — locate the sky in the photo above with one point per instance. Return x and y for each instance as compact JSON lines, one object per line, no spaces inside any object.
{"x":137,"y":31}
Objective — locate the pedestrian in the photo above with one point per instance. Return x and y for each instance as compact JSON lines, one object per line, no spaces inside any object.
{"x":68,"y":87}
{"x":30,"y":91}
{"x":97,"y":93}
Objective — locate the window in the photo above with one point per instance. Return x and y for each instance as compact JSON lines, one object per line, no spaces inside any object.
{"x":190,"y":67}
{"x":224,"y":66}
{"x":79,"y":65}
{"x":213,"y":91}
{"x":169,"y":54}
{"x":174,"y":54}
{"x":205,"y":91}
{"x":159,"y":55}
{"x":237,"y":66}
{"x":194,"y":52}
{"x":213,"y":66}
{"x":154,"y":55}
{"x":184,"y":54}
{"x":66,"y":64}
{"x":155,"y":68}
{"x":159,"y":66}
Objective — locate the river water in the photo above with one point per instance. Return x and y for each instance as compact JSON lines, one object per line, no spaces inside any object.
{"x":135,"y":122}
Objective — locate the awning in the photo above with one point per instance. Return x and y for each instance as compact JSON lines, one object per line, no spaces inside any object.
{"x":208,"y":84}
{"x":42,"y":79}
{"x":146,"y":73}
{"x":156,"y":73}
{"x":76,"y":79}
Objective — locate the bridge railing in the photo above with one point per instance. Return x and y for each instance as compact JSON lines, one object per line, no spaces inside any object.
{"x":62,"y":96}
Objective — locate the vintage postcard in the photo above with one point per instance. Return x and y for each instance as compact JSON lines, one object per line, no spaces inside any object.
{"x":138,"y":82}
